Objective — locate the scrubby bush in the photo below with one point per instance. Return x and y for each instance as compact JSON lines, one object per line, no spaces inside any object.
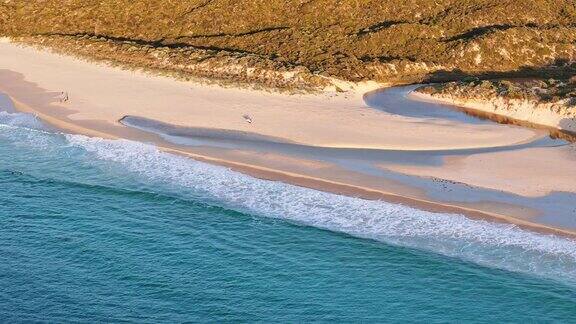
{"x":394,"y":39}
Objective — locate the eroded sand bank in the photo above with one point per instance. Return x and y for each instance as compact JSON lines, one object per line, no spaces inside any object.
{"x":542,"y":115}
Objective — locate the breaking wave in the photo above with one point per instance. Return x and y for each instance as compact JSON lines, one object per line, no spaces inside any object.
{"x":20,"y":120}
{"x":497,"y":245}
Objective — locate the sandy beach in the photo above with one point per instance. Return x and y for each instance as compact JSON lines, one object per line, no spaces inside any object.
{"x":332,"y":141}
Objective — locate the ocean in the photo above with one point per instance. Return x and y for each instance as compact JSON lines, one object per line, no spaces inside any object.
{"x":117,"y":231}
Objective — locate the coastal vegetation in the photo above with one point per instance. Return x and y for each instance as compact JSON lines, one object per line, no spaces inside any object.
{"x":561,"y":92}
{"x":529,"y":102}
{"x":306,"y":43}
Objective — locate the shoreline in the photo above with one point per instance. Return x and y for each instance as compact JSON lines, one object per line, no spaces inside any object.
{"x":314,"y":183}
{"x":66,"y":119}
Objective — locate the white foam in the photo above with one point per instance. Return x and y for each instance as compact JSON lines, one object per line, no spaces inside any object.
{"x":490,"y":244}
{"x":20,"y":120}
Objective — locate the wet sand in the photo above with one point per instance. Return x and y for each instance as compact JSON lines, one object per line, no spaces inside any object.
{"x":6,"y":104}
{"x":332,"y":142}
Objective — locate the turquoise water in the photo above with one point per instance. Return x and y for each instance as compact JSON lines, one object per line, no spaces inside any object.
{"x":98,"y":230}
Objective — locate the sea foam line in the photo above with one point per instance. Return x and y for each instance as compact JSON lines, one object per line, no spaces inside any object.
{"x":490,"y":244}
{"x":20,"y":120}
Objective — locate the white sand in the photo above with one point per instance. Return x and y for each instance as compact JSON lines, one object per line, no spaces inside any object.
{"x":107,"y":94}
{"x":532,"y":172}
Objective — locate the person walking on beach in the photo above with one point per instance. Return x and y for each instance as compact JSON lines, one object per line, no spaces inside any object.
{"x":64,"y":97}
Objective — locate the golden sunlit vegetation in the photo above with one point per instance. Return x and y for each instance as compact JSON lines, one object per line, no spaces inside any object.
{"x":282,"y":43}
